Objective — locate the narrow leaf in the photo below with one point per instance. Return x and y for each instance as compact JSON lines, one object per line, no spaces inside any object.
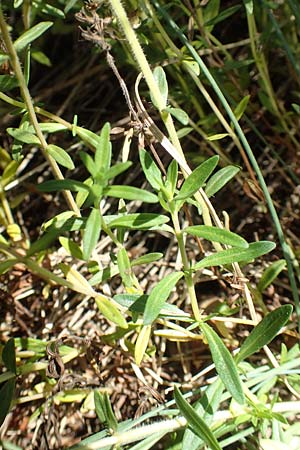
{"x":270,"y":274}
{"x":159,"y":295}
{"x":217,"y":137}
{"x":6,"y":394}
{"x":99,"y":406}
{"x":264,"y":332}
{"x":225,"y":365}
{"x":92,"y":139}
{"x":147,"y":259}
{"x":44,"y":242}
{"x":89,"y":163}
{"x":60,"y":156}
{"x":110,"y":416}
{"x":206,"y":408}
{"x":77,"y":281}
{"x":61,"y":185}
{"x":117,"y":169}
{"x":125,"y":267}
{"x":172,"y":175}
{"x":232,"y":255}
{"x":142,"y":344}
{"x":219,"y":179}
{"x":151,"y":171}
{"x":139,"y":221}
{"x":91,"y":233}
{"x":241,"y":107}
{"x":197,"y":178}
{"x":71,"y":247}
{"x":195,"y":422}
{"x":215,"y":234}
{"x":161,"y":81}
{"x":9,"y":355}
{"x":179,"y":114}
{"x":8,"y":82}
{"x":50,"y":127}
{"x":31,"y":34}
{"x":130,"y":193}
{"x":223,"y":15}
{"x":23,"y":136}
{"x":110,"y":311}
{"x":103,"y":151}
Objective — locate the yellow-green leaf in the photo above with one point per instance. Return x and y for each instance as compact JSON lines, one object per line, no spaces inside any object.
{"x":110,"y":311}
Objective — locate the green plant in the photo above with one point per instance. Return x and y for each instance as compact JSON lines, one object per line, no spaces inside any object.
{"x":100,"y":208}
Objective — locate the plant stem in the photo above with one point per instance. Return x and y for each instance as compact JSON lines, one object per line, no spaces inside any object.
{"x":15,"y":62}
{"x":140,"y":57}
{"x":186,"y":267}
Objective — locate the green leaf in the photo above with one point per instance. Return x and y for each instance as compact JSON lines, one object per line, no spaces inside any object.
{"x":219,"y":179}
{"x":161,"y":81}
{"x":92,"y":139}
{"x":41,"y":58}
{"x":61,"y":185}
{"x":142,"y":343}
{"x":89,"y":163}
{"x":23,"y":136}
{"x":99,"y":406}
{"x":147,"y":259}
{"x":130,"y":193}
{"x":151,"y":171}
{"x":83,"y":195}
{"x":71,"y":247}
{"x":232,"y":255}
{"x":4,"y":57}
{"x":50,"y":127}
{"x":117,"y":169}
{"x":270,"y":274}
{"x":139,"y":221}
{"x":31,"y":34}
{"x":60,"y":156}
{"x":223,"y":15}
{"x":192,"y":65}
{"x":53,"y":11}
{"x":9,"y":356}
{"x":91,"y":233}
{"x":241,"y":107}
{"x":264,"y":332}
{"x":104,"y":410}
{"x":215,"y":234}
{"x":43,"y":242}
{"x":217,"y":137}
{"x":225,"y":365}
{"x":7,"y":264}
{"x":159,"y":295}
{"x":110,"y":311}
{"x":172,"y":175}
{"x":103,"y":151}
{"x":195,"y":422}
{"x":179,"y":114}
{"x":6,"y":394}
{"x":197,"y":178}
{"x":8,"y":82}
{"x":211,"y":11}
{"x":206,"y":407}
{"x":109,"y":414}
{"x":124,"y":267}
